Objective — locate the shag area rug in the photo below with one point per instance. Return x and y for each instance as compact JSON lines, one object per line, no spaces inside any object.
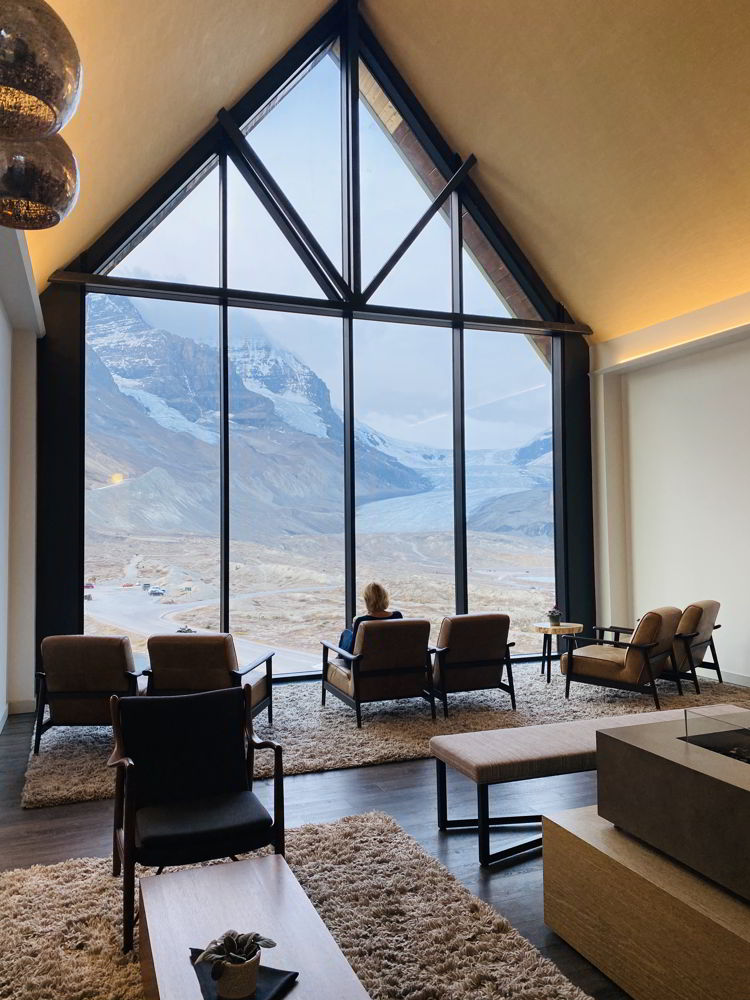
{"x":71,"y":766}
{"x":408,"y":928}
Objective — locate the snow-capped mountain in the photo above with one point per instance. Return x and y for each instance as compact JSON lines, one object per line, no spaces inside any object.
{"x":153,"y":416}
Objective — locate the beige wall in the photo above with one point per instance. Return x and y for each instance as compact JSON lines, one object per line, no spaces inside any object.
{"x":6,"y":342}
{"x":672,"y":481}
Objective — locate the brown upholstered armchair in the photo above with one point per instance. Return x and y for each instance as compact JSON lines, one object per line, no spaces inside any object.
{"x":79,"y":675}
{"x":390,"y":660}
{"x":184,"y":785}
{"x":693,"y":639}
{"x":471,"y":652}
{"x":186,"y":664}
{"x":630,"y":666}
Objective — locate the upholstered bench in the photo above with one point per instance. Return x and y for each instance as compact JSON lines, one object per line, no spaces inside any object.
{"x":499,"y":755}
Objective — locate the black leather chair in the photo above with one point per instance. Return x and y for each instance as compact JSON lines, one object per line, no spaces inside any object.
{"x":184,"y":785}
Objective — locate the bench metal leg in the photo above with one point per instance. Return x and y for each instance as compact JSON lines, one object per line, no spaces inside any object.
{"x":484,"y":823}
{"x":442,"y":795}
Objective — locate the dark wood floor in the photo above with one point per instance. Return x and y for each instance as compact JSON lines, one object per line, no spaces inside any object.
{"x":405,"y":791}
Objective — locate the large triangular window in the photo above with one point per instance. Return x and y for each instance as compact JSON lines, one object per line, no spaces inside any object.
{"x":354,"y":387}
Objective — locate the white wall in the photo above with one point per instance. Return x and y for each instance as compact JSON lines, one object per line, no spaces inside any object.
{"x":673,"y":503}
{"x":22,"y":548}
{"x":6,"y":351}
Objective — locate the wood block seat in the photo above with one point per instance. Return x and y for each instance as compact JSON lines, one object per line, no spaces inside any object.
{"x":498,"y":755}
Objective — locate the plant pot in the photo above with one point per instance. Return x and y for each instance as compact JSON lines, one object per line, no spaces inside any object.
{"x":555,"y":619}
{"x":238,"y":981}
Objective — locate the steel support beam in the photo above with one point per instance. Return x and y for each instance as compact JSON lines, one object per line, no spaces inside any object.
{"x":418,"y":226}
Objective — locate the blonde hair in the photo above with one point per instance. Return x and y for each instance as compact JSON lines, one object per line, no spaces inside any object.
{"x":376,"y":598}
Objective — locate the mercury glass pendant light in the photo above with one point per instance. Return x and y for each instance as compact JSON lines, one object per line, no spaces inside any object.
{"x":40,"y":85}
{"x":38,"y":182}
{"x":40,"y":71}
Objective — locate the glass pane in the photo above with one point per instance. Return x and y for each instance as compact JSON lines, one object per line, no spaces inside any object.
{"x":489,"y":287}
{"x":398,"y":182}
{"x":259,"y":256}
{"x":299,"y":141}
{"x":184,"y":245}
{"x":404,"y":466}
{"x":509,"y":513}
{"x":151,"y":549}
{"x":286,"y":486}
{"x":422,"y":278}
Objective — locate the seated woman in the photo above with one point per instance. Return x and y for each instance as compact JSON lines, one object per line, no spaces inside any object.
{"x":376,"y":602}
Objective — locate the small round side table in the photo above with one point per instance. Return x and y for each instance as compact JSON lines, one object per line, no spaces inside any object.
{"x":564,"y":628}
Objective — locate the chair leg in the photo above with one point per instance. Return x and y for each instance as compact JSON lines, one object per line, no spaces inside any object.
{"x":359,"y":715}
{"x":39,"y":720}
{"x":270,"y":711}
{"x":442,"y":795}
{"x":116,"y":859}
{"x":323,"y":694}
{"x":676,"y":673}
{"x":128,"y":904}
{"x":444,"y":698}
{"x":656,"y":696}
{"x":693,"y":674}
{"x":511,"y":685}
{"x":432,"y":706}
{"x":567,"y":676}
{"x":716,"y":659}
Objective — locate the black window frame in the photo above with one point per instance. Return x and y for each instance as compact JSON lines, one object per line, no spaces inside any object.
{"x":61,"y":353}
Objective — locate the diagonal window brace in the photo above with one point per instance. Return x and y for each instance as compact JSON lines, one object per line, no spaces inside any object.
{"x":419,"y":225}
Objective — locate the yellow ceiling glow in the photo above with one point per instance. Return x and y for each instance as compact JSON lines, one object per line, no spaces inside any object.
{"x":613,"y":141}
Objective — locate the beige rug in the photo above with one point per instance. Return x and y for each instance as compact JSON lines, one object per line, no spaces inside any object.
{"x":409,"y":929}
{"x":71,"y":766}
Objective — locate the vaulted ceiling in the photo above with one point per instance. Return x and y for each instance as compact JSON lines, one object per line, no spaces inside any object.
{"x":612,"y":139}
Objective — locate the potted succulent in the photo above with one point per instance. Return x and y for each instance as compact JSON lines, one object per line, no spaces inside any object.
{"x":554,"y":615}
{"x":234,"y":962}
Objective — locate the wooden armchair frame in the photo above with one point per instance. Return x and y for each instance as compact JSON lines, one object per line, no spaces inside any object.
{"x":124,"y":852}
{"x":46,"y":697}
{"x":573,"y":642}
{"x":440,"y":653}
{"x":353,"y":662}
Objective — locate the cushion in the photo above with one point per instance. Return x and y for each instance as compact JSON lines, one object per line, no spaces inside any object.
{"x":191,"y":662}
{"x":399,"y":645}
{"x":201,"y":828}
{"x":606,"y":662}
{"x":698,"y":617}
{"x":474,"y":637}
{"x":340,"y":676}
{"x":85,"y":663}
{"x":538,"y":751}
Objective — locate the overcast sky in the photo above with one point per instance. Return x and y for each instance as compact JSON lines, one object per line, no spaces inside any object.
{"x":402,"y":374}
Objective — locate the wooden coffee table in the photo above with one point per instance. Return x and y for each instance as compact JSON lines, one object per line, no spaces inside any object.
{"x":564,"y":628}
{"x":187,"y":909}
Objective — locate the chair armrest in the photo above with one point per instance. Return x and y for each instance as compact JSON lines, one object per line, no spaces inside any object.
{"x":611,"y":642}
{"x":340,"y":652}
{"x":437,"y":649}
{"x":265,"y":744}
{"x":116,"y":761}
{"x":686,"y":635}
{"x":510,"y":644}
{"x":716,"y":626}
{"x":613,"y":628}
{"x":241,"y":671}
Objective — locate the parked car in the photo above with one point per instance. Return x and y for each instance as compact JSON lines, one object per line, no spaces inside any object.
{"x":87,"y":597}
{"x":156,"y":592}
{"x":186,"y":628}
{"x":88,"y":586}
